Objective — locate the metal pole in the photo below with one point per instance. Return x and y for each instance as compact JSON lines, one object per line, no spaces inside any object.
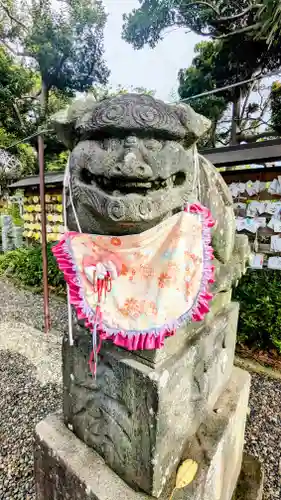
{"x":44,"y":238}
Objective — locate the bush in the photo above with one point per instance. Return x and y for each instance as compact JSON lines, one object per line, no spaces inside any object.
{"x":25,"y":266}
{"x":259,"y":294}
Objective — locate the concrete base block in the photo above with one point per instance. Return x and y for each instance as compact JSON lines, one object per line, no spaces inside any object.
{"x":67,"y":469}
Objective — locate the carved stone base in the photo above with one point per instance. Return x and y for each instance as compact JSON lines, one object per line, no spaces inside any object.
{"x":139,"y":415}
{"x":67,"y":469}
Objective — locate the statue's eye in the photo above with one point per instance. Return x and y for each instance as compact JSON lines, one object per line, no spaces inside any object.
{"x":153,"y":144}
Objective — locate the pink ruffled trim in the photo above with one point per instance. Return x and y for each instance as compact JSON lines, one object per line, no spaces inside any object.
{"x":202,"y":305}
{"x":138,"y":341}
{"x":153,"y":339}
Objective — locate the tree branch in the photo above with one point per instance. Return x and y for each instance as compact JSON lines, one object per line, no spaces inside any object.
{"x":16,"y":109}
{"x":262,"y":122}
{"x":205,"y":4}
{"x":234,"y":17}
{"x":14,"y":51}
{"x":256,"y":137}
{"x":247,"y":100}
{"x":220,"y":141}
{"x":11,"y":16}
{"x":246,"y":29}
{"x":224,"y":19}
{"x":32,"y":97}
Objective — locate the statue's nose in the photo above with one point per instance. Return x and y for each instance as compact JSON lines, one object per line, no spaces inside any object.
{"x":133,"y":164}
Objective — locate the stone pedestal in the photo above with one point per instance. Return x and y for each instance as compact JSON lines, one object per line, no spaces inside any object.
{"x":67,"y":469}
{"x":144,"y":407}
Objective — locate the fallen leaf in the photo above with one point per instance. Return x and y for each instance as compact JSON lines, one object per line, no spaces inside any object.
{"x":185,"y":475}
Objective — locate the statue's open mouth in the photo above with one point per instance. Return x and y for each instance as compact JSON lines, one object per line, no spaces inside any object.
{"x":122,"y":185}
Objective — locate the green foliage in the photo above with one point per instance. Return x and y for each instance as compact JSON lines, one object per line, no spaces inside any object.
{"x":259,"y":294}
{"x":58,"y":163}
{"x":275,"y":103}
{"x":16,"y":81}
{"x":24,"y":265}
{"x":251,"y":20}
{"x":61,"y":50}
{"x":68,"y":45}
{"x":65,"y":41}
{"x":234,"y":53}
{"x":269,"y":21}
{"x":28,"y":158}
{"x":20,"y":112}
{"x":101,"y":92}
{"x":146,"y":24}
{"x":199,"y":78}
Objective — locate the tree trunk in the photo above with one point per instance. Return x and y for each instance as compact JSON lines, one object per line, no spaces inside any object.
{"x":44,"y":98}
{"x":213,"y":134}
{"x":235,"y":121}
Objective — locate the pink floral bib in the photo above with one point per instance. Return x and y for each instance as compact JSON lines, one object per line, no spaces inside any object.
{"x":138,"y":289}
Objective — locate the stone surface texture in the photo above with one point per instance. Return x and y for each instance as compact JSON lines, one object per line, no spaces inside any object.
{"x":65,"y":468}
{"x":133,"y":163}
{"x":139,"y":418}
{"x":251,"y":480}
{"x":24,"y":402}
{"x":218,"y":444}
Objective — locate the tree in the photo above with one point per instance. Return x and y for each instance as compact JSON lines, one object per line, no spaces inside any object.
{"x":199,"y":78}
{"x":204,"y":17}
{"x":205,"y":74}
{"x":64,"y":46}
{"x":238,"y":57}
{"x":16,"y":83}
{"x":275,"y":103}
{"x":269,"y":21}
{"x":20,"y":112}
{"x":103,"y":92}
{"x":61,"y":50}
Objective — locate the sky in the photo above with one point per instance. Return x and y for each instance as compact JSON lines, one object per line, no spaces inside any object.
{"x":155,"y":69}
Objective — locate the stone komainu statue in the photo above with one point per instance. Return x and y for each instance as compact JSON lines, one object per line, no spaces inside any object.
{"x":134,"y":162}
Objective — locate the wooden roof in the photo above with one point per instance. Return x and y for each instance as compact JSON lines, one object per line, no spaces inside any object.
{"x":33,"y":180}
{"x":243,"y":154}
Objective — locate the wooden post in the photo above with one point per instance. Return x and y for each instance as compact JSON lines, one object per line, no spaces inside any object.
{"x":44,"y":237}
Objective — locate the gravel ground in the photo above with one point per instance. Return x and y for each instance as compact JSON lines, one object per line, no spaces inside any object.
{"x":30,"y":388}
{"x":263,"y":432}
{"x":24,"y":401}
{"x":22,"y":306}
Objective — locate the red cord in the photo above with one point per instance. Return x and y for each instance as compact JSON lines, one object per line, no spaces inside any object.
{"x":101,"y":286}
